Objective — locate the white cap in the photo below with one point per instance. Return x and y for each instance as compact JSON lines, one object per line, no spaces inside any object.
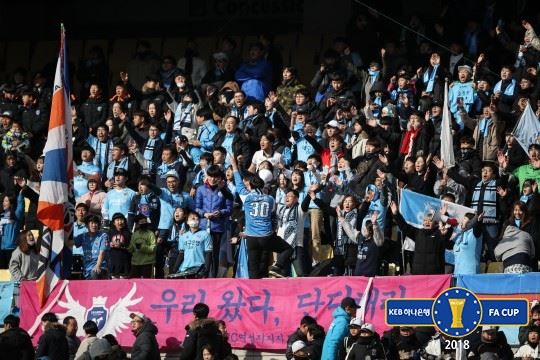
{"x":297,"y":345}
{"x":488,"y":328}
{"x":332,"y":123}
{"x":221,"y":56}
{"x":368,"y":327}
{"x":137,"y":314}
{"x":356,"y":322}
{"x":172,"y":173}
{"x":465,"y":67}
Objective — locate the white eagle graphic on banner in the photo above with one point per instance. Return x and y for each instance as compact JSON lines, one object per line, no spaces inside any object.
{"x":109,"y":321}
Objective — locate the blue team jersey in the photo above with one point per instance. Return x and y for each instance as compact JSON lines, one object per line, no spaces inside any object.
{"x":78,"y":229}
{"x":117,"y":201}
{"x":194,"y":245}
{"x":92,"y":246}
{"x":258,"y":209}
{"x":169,"y":202}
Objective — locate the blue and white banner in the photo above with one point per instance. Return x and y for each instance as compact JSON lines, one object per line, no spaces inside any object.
{"x":414,"y":206}
{"x":527,"y":130}
{"x":6,"y":298}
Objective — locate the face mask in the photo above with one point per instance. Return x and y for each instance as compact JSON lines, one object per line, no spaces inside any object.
{"x":180,"y":85}
{"x":193,"y":223}
{"x":31,"y":242}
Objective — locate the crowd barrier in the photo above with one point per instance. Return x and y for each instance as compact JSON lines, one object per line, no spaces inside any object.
{"x":260,"y":314}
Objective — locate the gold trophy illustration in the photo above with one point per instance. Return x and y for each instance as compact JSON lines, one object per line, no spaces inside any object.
{"x":456,"y":307}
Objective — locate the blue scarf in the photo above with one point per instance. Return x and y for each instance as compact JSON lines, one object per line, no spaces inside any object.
{"x":484,"y":126}
{"x":177,"y":230}
{"x":240,"y":113}
{"x":182,"y":116}
{"x":375,"y":205}
{"x":509,"y":91}
{"x":341,"y":236}
{"x":489,"y":206}
{"x":429,"y":78}
{"x":377,"y":111}
{"x":165,"y":168}
{"x":270,"y":116}
{"x":525,"y":198}
{"x":122,"y":164}
{"x":5,"y":218}
{"x":149,"y":152}
{"x":373,"y":75}
{"x":103,"y":154}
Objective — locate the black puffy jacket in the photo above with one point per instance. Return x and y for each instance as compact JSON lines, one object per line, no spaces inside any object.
{"x":94,"y":112}
{"x":202,"y":332}
{"x":367,"y":347}
{"x":429,"y":247}
{"x":53,"y":343}
{"x":16,"y":344}
{"x":146,"y":346}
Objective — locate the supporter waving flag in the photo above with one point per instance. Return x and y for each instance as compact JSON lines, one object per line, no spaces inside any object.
{"x":527,"y":129}
{"x":55,"y":185}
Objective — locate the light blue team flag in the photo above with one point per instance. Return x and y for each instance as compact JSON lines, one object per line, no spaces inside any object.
{"x":527,"y":130}
{"x":242,"y":264}
{"x":414,"y":206}
{"x":6,"y":298}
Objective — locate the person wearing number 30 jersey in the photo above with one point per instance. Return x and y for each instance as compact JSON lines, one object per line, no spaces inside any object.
{"x":259,"y":233}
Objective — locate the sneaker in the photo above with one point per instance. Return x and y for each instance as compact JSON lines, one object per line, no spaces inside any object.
{"x":275,"y":271}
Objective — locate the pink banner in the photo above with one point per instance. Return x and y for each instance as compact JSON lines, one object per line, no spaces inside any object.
{"x":259,"y":314}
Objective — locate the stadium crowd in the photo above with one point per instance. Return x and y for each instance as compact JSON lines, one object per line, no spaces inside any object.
{"x":191,"y":171}
{"x":245,"y":168}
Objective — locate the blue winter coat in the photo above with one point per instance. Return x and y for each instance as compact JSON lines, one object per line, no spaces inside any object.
{"x":10,"y":231}
{"x":256,"y":78}
{"x":208,"y":200}
{"x":467,"y":251}
{"x":336,"y":333}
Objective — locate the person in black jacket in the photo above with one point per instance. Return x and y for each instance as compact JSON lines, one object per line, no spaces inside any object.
{"x":202,"y":331}
{"x":227,"y":348}
{"x":35,"y":120}
{"x":238,"y":144}
{"x":53,"y":342}
{"x":145,"y":346}
{"x":15,"y":343}
{"x":492,"y":342}
{"x":12,"y":169}
{"x":299,"y":334}
{"x":151,"y":146}
{"x":255,"y":125}
{"x":121,"y":159}
{"x":430,"y":243}
{"x":94,"y":109}
{"x":401,"y":343}
{"x":315,"y":341}
{"x":335,"y":97}
{"x":368,"y":345}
